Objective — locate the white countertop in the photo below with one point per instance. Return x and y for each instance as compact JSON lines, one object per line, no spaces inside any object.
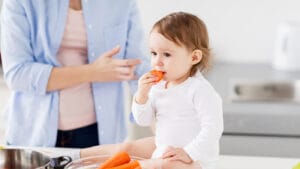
{"x":225,"y":161}
{"x":255,"y":162}
{"x":245,"y":162}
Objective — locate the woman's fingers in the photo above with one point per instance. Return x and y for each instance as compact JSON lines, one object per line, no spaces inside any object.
{"x":131,"y":76}
{"x":126,"y":62}
{"x":126,"y":77}
{"x":111,"y":52}
{"x":125,"y":70}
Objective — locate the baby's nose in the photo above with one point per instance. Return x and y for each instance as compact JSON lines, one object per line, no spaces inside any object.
{"x":159,"y":61}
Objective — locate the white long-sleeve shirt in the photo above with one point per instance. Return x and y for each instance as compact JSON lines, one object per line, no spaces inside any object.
{"x":188,"y":115}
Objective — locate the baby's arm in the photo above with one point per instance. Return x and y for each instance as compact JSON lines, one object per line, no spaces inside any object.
{"x":144,"y":85}
{"x":143,"y":114}
{"x":205,"y":146}
{"x":142,"y":109}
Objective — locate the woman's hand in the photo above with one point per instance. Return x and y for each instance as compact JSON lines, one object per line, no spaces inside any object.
{"x":144,"y":85}
{"x":177,"y":154}
{"x":106,"y":68}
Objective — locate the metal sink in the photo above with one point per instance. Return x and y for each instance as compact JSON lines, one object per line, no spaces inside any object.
{"x":264,"y":90}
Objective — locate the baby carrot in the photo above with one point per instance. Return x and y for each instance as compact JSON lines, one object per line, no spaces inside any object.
{"x":132,"y":165}
{"x":158,"y":74}
{"x":116,"y":160}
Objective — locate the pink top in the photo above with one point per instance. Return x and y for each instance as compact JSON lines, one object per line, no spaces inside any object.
{"x":76,"y":105}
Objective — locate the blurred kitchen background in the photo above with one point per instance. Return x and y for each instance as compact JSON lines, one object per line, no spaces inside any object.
{"x":256,"y":46}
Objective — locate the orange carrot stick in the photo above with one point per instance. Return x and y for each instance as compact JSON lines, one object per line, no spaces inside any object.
{"x":131,"y":165}
{"x":158,"y":74}
{"x":116,"y":160}
{"x":138,"y":167}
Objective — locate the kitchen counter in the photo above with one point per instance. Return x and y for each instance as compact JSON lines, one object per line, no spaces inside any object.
{"x":225,"y":161}
{"x":255,"y":162}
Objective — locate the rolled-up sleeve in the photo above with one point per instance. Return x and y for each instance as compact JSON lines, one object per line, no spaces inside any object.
{"x":21,"y":70}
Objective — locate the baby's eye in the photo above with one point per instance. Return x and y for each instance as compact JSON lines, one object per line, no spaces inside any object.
{"x":153,"y":53}
{"x":167,"y":54}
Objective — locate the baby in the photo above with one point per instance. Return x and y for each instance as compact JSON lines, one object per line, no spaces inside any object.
{"x":186,"y":109}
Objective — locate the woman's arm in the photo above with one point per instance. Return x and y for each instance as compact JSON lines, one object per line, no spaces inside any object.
{"x":142,"y":148}
{"x":104,"y":69}
{"x":24,"y":71}
{"x":21,"y":71}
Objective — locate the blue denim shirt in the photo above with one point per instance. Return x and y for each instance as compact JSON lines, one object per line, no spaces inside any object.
{"x":31,"y":34}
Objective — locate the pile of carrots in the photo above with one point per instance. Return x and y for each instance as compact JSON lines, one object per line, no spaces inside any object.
{"x":120,"y":160}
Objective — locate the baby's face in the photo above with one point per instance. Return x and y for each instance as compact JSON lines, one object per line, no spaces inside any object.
{"x":174,"y":60}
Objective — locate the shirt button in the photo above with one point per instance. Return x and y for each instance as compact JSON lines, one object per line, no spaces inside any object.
{"x":90,"y":26}
{"x":99,"y":107}
{"x":86,"y":1}
{"x":93,"y":54}
{"x":101,"y":132}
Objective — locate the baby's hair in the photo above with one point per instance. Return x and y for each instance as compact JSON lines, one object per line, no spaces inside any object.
{"x":189,"y":31}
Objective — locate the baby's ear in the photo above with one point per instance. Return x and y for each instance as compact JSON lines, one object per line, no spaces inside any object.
{"x":196,"y":56}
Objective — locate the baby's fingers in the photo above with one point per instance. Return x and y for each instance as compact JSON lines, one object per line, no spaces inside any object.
{"x":174,"y":158}
{"x":147,"y":81}
{"x":168,"y":154}
{"x":147,"y":78}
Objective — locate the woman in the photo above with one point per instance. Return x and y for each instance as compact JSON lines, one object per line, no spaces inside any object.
{"x":64,"y":62}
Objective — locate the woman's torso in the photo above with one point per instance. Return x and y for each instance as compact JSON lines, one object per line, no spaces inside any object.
{"x":76,"y":105}
{"x":42,"y":29}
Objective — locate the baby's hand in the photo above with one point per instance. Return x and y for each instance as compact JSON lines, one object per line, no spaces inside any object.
{"x":175,"y":154}
{"x":144,"y":85}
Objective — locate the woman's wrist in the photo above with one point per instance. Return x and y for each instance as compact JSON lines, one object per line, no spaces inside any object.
{"x":89,"y":73}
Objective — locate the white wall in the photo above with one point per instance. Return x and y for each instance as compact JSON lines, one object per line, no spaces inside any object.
{"x":240,"y":30}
